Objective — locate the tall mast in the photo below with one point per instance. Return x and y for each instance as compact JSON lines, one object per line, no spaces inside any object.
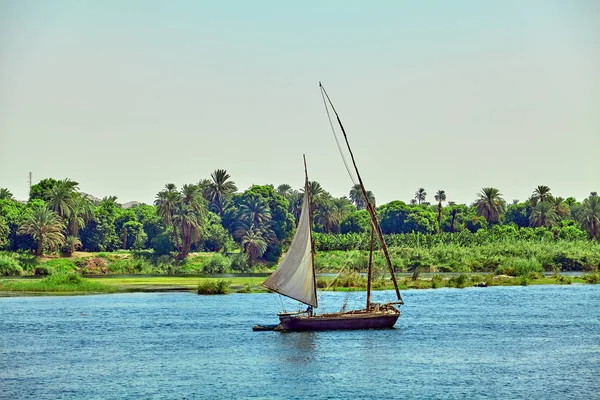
{"x":310,"y":213}
{"x":370,"y":269}
{"x":370,"y":208}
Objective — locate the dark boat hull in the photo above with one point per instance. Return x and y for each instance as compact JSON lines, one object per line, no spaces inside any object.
{"x":343,"y":321}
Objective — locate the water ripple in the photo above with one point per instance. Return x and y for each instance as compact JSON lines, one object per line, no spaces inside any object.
{"x":497,"y":342}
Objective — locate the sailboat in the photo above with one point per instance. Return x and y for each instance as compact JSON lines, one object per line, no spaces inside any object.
{"x":295,"y":276}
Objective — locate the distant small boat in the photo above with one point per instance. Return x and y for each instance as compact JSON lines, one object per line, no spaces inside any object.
{"x":264,"y":327}
{"x":295,"y":276}
{"x":481,"y":284}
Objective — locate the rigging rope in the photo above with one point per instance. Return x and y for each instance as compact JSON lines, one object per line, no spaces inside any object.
{"x":345,"y":264}
{"x":337,"y":140}
{"x":281,"y":300}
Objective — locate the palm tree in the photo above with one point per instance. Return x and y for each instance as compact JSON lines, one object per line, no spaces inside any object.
{"x":560,"y":207}
{"x":203,"y":186}
{"x":81,"y":213}
{"x":166,"y":201}
{"x":316,"y":194}
{"x":413,"y":202}
{"x":589,"y":216}
{"x":190,"y":226}
{"x":329,"y":214}
{"x":439,"y":197}
{"x":113,"y":200}
{"x":295,"y":200}
{"x":420,"y":195}
{"x":540,"y":194}
{"x":61,"y":197}
{"x":453,"y":213}
{"x":255,"y":211}
{"x":192,"y":197}
{"x":570,"y":201}
{"x":72,"y":243}
{"x":489,"y":204}
{"x":45,"y":226}
{"x":543,"y":214}
{"x":5,"y":194}
{"x":284,"y":190}
{"x":190,"y":216}
{"x":357,"y":197}
{"x":254,"y":245}
{"x":185,"y":212}
{"x":343,"y":207}
{"x":219,"y":189}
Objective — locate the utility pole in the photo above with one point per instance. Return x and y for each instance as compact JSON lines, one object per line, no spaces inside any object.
{"x":30,"y":181}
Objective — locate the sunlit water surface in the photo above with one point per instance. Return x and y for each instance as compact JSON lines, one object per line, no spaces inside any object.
{"x":495,"y":342}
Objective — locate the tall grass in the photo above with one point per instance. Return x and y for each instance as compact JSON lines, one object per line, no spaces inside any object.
{"x":70,"y":282}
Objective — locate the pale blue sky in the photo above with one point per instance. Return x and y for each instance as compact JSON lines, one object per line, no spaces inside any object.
{"x":125,"y":96}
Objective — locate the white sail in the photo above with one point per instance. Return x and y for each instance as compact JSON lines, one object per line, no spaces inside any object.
{"x":294,"y":277}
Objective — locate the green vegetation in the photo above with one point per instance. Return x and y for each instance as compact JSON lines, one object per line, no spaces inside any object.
{"x":210,"y":227}
{"x":9,"y":265}
{"x":348,"y":281}
{"x":59,"y":283}
{"x":510,"y":257}
{"x":127,"y":262}
{"x":44,"y":226}
{"x":353,"y":282}
{"x":220,"y":286}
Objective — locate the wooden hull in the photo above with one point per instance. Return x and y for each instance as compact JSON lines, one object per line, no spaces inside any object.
{"x":325,"y":322}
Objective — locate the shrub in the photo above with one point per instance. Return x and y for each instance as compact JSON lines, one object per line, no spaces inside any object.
{"x":246,"y":289}
{"x":350,"y":279}
{"x":9,"y":266}
{"x":71,"y":244}
{"x":322,"y":283}
{"x":416,"y":274}
{"x":523,"y":281}
{"x":42,"y":269}
{"x":378,"y":284}
{"x":524,"y":267}
{"x":239,"y":262}
{"x":563,"y":280}
{"x":592,"y":278}
{"x":56,"y":266}
{"x":534,"y":275}
{"x":459,"y":281}
{"x":220,"y":286}
{"x":505,"y":270}
{"x":436,"y":281}
{"x":128,"y":266}
{"x":273,"y":253}
{"x":71,"y":278}
{"x":162,"y":244}
{"x":217,"y":264}
{"x":570,"y":260}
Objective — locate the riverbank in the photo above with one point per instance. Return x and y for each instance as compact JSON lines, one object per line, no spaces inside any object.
{"x":427,"y":254}
{"x":74,"y":285}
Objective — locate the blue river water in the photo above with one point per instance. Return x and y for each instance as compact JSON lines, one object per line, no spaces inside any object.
{"x":536,"y":342}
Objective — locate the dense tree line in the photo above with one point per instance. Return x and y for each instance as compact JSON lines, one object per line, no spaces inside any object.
{"x":212,"y":215}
